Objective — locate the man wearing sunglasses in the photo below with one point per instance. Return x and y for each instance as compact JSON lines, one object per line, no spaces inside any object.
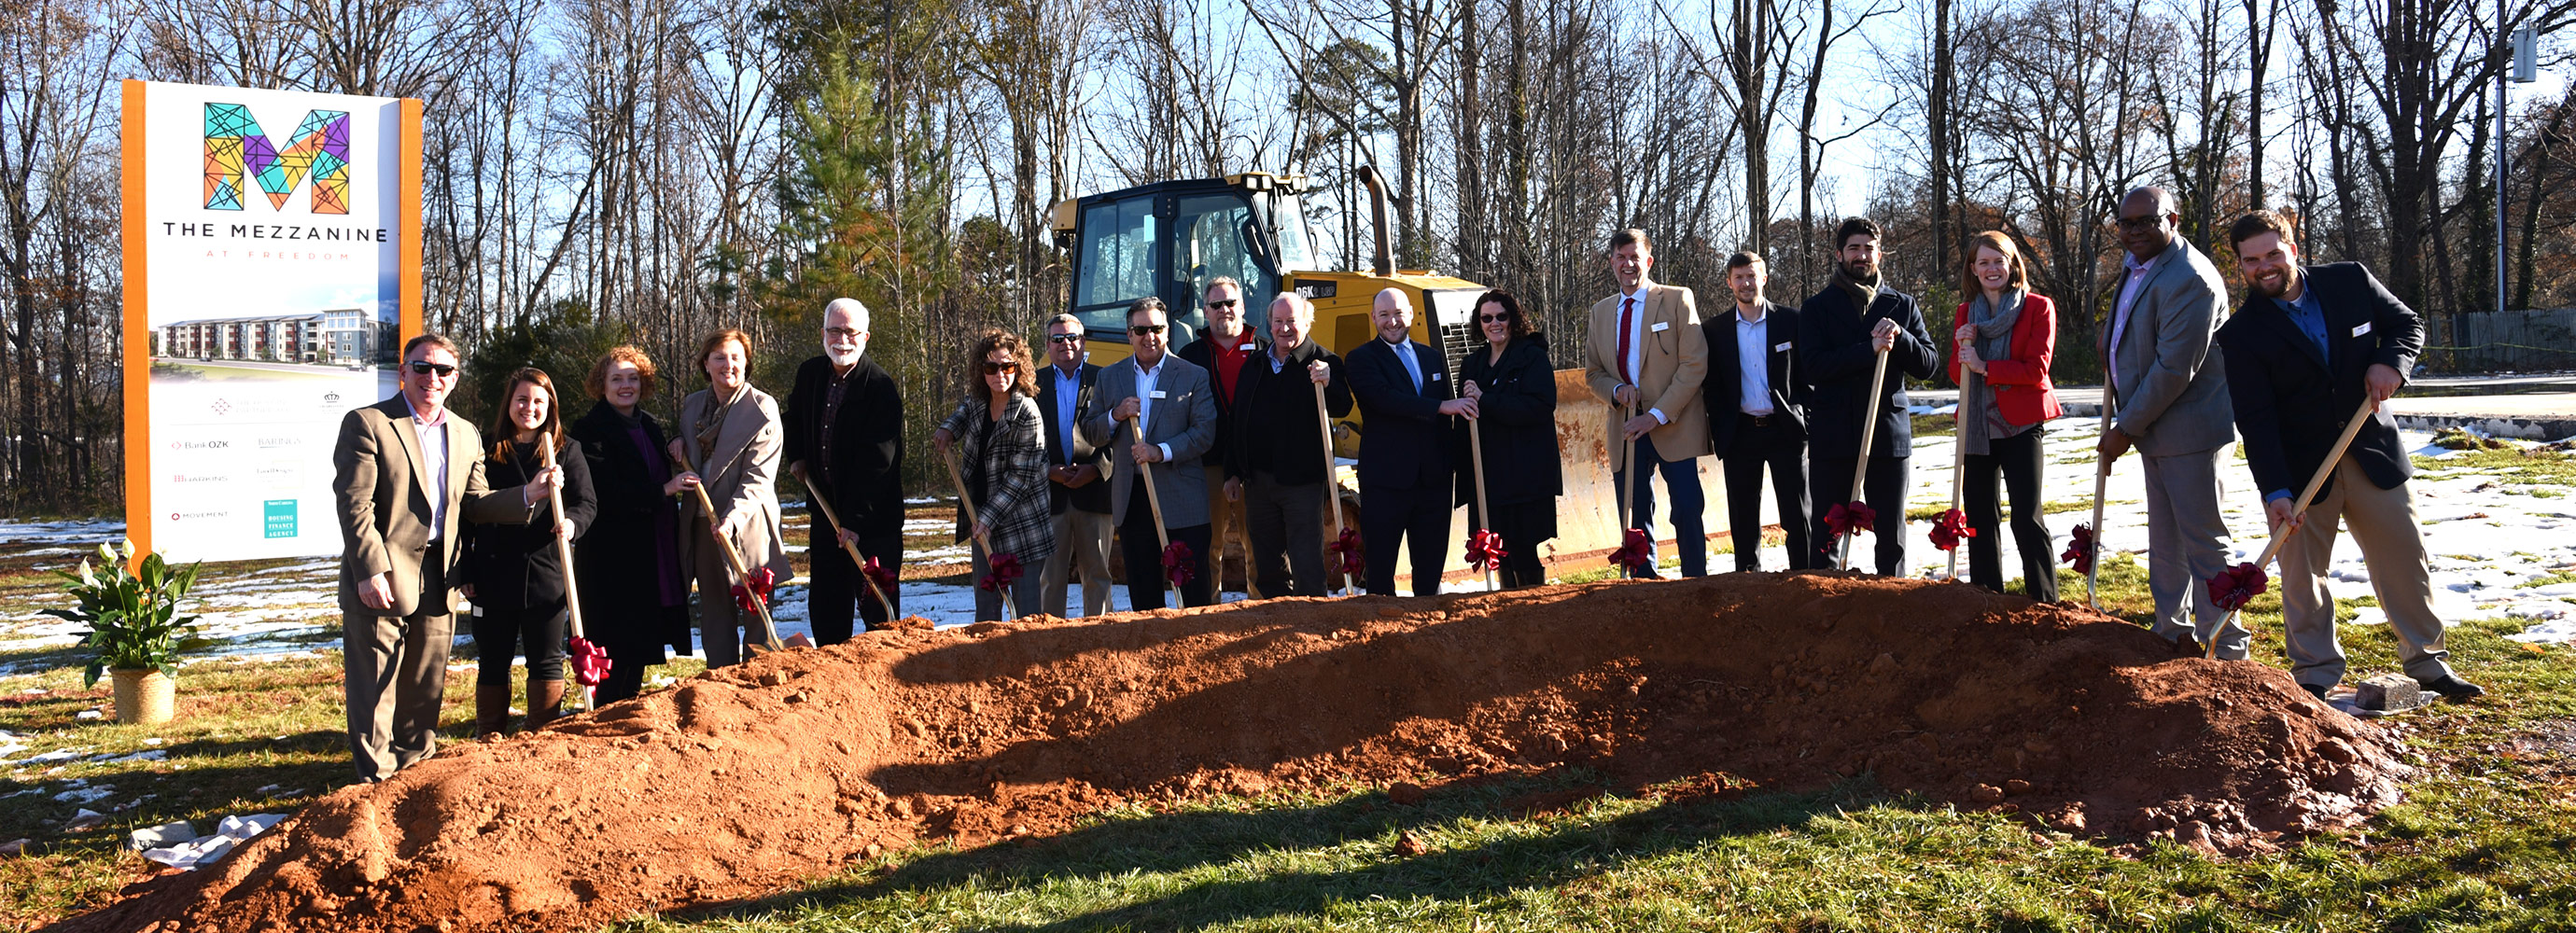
{"x":1222,"y":352}
{"x":2170,"y":386}
{"x":844,"y":426}
{"x":1077,"y":474}
{"x":404,"y":474}
{"x":1170,"y":408}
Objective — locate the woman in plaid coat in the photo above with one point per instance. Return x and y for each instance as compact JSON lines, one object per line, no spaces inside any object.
{"x":1001,"y":440}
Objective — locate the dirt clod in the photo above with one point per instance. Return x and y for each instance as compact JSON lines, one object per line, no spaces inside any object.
{"x":722,"y":788}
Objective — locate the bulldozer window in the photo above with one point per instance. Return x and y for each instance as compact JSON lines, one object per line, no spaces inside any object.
{"x":1220,"y":241}
{"x":1117,"y":258}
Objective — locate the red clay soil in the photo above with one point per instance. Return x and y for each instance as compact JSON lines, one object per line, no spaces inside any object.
{"x":749,"y":779}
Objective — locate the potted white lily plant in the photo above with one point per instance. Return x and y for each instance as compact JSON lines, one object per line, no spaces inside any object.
{"x":135,"y":629}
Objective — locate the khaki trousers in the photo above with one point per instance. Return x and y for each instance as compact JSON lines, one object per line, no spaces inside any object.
{"x":2382,"y":522}
{"x":396,"y":672}
{"x":1226,"y":520}
{"x":1081,"y":542}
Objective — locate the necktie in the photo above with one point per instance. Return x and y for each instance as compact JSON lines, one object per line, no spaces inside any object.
{"x":1627,"y":323}
{"x":1412,"y":367}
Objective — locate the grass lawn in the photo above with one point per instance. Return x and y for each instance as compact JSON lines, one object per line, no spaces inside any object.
{"x":2486,"y":840}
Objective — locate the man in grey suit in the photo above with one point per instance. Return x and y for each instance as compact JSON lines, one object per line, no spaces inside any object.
{"x":2170,"y":391}
{"x":406,"y":472}
{"x":1171,"y":406}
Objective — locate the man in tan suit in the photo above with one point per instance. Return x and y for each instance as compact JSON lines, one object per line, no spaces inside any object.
{"x":1646,"y":356}
{"x":406,"y":473}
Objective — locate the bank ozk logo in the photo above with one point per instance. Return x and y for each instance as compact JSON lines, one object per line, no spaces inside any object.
{"x":238,"y":151}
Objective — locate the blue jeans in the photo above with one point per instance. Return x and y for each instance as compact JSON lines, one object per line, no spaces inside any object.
{"x":1690,"y":532}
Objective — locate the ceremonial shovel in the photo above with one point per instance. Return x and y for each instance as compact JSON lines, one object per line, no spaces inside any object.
{"x":815,"y":493}
{"x":1484,"y":548}
{"x":1860,"y":517}
{"x":590,"y":662}
{"x":1338,"y":550}
{"x":754,"y":593}
{"x":1175,"y":564}
{"x":992,"y":561}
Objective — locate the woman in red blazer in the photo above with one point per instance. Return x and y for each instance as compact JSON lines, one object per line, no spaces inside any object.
{"x":1999,"y":357}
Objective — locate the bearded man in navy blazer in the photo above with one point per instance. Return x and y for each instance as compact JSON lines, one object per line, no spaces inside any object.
{"x":2308,"y":348}
{"x":1403,"y":391}
{"x":1756,"y":414}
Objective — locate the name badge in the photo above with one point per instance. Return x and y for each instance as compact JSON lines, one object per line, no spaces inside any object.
{"x":1156,"y":394}
{"x":2363,"y":329}
{"x":1435,"y":377}
{"x":1661,"y":326}
{"x":1783,"y":348}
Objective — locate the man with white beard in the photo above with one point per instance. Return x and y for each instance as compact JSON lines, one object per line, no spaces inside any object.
{"x":845,"y":442}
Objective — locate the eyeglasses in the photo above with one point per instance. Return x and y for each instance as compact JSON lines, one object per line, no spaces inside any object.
{"x":1220,"y":305}
{"x":2149,"y":222}
{"x":841,"y":332}
{"x":1064,"y":338}
{"x":425,"y":367}
{"x":1144,"y":329}
{"x":1494,"y":318}
{"x":1006,"y":366}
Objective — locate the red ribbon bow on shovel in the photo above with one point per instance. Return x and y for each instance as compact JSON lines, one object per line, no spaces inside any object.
{"x":1636,"y":550}
{"x":1346,"y":553}
{"x":879,"y":574}
{"x":1485,"y":549}
{"x":2235,"y":586}
{"x":753,"y":592}
{"x":590,"y":662}
{"x":1950,"y":529}
{"x":1006,"y":571}
{"x":2079,"y":549}
{"x":1848,"y":517}
{"x":1178,"y":565}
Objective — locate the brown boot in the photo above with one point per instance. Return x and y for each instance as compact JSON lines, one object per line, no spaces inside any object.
{"x":545,"y":702}
{"x":491,"y":710}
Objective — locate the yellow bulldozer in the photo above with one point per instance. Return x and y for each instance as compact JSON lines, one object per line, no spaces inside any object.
{"x":1169,"y":239}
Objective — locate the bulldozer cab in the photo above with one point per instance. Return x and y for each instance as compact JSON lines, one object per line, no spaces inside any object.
{"x":1168,"y":240}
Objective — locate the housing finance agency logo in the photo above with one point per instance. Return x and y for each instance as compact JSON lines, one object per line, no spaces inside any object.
{"x":238,"y":152}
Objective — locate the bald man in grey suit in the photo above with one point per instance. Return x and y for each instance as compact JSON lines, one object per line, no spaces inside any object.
{"x":2170,"y":390}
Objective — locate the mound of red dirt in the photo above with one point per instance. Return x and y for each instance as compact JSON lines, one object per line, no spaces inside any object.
{"x":751,"y":778}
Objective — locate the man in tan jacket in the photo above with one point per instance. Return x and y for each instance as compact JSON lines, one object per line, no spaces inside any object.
{"x":1646,"y":356}
{"x":406,"y":472}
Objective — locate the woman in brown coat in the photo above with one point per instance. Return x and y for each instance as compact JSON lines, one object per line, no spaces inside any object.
{"x":731,"y":438}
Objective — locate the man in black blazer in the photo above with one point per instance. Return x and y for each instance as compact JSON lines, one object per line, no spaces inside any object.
{"x":845,"y":441}
{"x":2308,"y":348}
{"x":1276,"y":456}
{"x":1754,"y":402}
{"x":1077,"y":474}
{"x":1403,"y":391}
{"x":1840,"y":332}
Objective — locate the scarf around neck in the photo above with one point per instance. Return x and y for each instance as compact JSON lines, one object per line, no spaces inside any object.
{"x":1863,"y":294}
{"x":714,"y":425}
{"x":1994,"y":342}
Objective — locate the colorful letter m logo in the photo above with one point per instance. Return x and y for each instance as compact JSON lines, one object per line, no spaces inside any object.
{"x":235,"y":147}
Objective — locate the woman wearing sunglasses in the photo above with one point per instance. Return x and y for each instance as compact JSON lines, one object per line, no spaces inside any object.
{"x":731,"y":439}
{"x":1515,"y":392}
{"x":1003,"y":465}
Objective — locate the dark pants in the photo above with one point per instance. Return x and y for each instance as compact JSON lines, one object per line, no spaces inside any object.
{"x":1756,"y":444}
{"x":1143,"y":553}
{"x":1690,"y":529}
{"x":1524,"y":526}
{"x":633,"y":651}
{"x":1884,"y":490}
{"x":2018,"y":458}
{"x":834,"y":586}
{"x":1284,"y":529}
{"x":499,"y":632}
{"x":1390,"y":516}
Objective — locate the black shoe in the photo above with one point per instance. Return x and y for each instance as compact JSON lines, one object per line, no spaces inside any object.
{"x":2315,"y":691}
{"x":2452,"y":688}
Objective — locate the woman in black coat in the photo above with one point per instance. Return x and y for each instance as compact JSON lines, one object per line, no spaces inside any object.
{"x":1515,"y":391}
{"x":634,"y":541}
{"x":514,"y":573}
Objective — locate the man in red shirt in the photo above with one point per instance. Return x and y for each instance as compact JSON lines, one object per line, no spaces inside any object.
{"x":1222,"y":351}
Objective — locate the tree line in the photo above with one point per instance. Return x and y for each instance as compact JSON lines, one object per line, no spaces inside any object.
{"x":640,"y":171}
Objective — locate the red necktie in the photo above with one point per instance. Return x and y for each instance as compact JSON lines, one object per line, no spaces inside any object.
{"x":1627,"y":310}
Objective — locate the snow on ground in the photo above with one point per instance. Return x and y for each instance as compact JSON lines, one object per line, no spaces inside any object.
{"x":2490,"y":538}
